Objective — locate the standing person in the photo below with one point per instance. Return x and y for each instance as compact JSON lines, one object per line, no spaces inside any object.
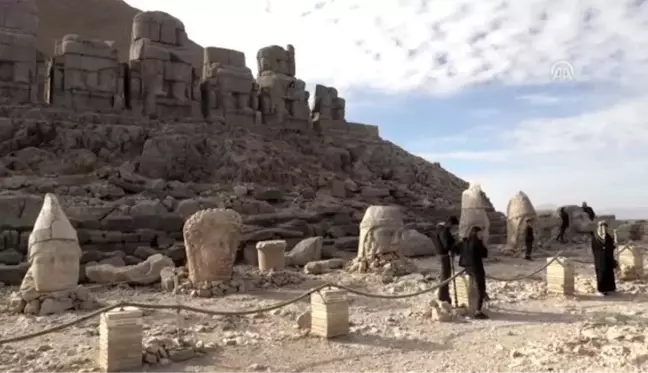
{"x":564,"y":223}
{"x":588,"y":210}
{"x":446,"y":244}
{"x":604,"y":262}
{"x":528,"y":239}
{"x":472,"y":259}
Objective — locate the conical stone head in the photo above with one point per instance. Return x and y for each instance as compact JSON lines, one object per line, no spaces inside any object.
{"x":52,"y":223}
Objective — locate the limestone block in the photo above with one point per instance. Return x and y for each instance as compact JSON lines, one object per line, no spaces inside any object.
{"x":330,"y":313}
{"x":271,"y":255}
{"x":560,"y":276}
{"x":631,"y":262}
{"x":120,"y":340}
{"x":212,"y":237}
{"x":144,"y":273}
{"x":466,"y":293}
{"x":54,"y":251}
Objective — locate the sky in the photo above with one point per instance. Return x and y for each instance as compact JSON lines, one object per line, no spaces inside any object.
{"x":544,"y":96}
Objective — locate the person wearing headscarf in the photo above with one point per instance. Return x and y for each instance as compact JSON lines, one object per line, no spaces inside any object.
{"x":564,"y":224}
{"x":588,"y":210}
{"x":472,"y":257}
{"x":447,"y":246}
{"x":604,"y":263}
{"x":528,"y":239}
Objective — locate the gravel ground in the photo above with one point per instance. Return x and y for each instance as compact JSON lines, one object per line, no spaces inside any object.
{"x":528,"y":330}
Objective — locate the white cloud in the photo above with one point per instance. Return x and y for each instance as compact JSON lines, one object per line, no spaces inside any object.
{"x":599,"y":156}
{"x":435,"y":45}
{"x":540,"y":99}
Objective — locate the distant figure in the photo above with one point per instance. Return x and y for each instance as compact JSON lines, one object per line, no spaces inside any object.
{"x":447,"y":245}
{"x":589,"y":211}
{"x":472,"y":259}
{"x":528,"y":239}
{"x":604,"y":262}
{"x":564,"y":223}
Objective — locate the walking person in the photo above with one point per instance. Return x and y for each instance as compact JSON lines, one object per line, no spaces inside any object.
{"x":472,"y":257}
{"x":564,"y":224}
{"x":446,"y":244}
{"x":588,"y":210}
{"x":604,"y":262}
{"x":528,"y":239}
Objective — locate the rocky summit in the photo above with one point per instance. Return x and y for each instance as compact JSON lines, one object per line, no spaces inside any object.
{"x":132,"y":148}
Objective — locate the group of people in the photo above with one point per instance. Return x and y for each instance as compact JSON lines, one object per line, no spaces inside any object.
{"x":472,"y":251}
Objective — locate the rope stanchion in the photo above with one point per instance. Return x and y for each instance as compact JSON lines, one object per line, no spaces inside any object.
{"x":523,"y":277}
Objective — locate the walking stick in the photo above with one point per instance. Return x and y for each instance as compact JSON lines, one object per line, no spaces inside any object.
{"x":454,"y":281}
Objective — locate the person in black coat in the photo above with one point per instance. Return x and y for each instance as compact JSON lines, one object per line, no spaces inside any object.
{"x":604,"y":263}
{"x":588,"y":210}
{"x":528,"y":239}
{"x":564,"y":224}
{"x":447,"y":246}
{"x":473,"y":252}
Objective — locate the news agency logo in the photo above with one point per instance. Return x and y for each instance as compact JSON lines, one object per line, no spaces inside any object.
{"x":562,"y":71}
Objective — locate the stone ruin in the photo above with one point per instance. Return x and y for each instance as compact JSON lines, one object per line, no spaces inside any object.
{"x":580,"y":225}
{"x":50,"y":285}
{"x":159,"y":81}
{"x":518,"y":211}
{"x":212,"y":238}
{"x":474,"y":206}
{"x":380,"y":241}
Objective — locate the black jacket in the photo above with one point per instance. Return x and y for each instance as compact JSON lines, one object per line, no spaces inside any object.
{"x":445,"y":241}
{"x":473,"y":253}
{"x":528,"y":234}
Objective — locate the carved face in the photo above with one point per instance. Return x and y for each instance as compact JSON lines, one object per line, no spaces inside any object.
{"x":384,"y":240}
{"x":55,"y":270}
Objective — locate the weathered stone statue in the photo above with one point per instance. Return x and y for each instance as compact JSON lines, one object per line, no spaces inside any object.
{"x":85,"y":73}
{"x":329,"y":110}
{"x":50,"y":284}
{"x":579,"y":229}
{"x":228,"y":87}
{"x":474,"y":206}
{"x":19,"y":57}
{"x":211,"y":238}
{"x":380,"y":241}
{"x":54,"y":251}
{"x":518,"y":211}
{"x":163,"y":81}
{"x":283,"y":98}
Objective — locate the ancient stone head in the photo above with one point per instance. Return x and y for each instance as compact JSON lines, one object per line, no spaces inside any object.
{"x":19,"y":16}
{"x":275,"y":59}
{"x":159,"y":27}
{"x":381,"y":230}
{"x":579,"y":221}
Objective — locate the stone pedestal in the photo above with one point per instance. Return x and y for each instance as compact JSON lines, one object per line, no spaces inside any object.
{"x":630,"y":263}
{"x":330,"y":313}
{"x":120,"y":340}
{"x":271,"y":255}
{"x":560,"y":277}
{"x":466,"y":293}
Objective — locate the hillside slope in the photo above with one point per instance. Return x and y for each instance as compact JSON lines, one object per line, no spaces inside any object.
{"x":98,"y":19}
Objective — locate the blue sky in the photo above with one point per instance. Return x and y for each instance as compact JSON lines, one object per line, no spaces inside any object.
{"x":469,"y":83}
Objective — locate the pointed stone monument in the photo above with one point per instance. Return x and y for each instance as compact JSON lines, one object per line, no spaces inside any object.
{"x":50,"y":285}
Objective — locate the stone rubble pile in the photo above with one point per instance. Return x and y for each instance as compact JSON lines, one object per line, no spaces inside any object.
{"x":164,"y":351}
{"x":243,"y":279}
{"x":32,"y":302}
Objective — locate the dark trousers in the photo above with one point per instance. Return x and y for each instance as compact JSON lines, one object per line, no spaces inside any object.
{"x":479,"y":276}
{"x":528,"y":246}
{"x":446,"y":273}
{"x":561,"y":234}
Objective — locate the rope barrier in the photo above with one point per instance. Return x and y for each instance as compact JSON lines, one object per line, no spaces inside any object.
{"x":180,"y":307}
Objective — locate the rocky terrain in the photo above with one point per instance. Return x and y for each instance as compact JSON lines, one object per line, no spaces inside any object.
{"x":128,"y":183}
{"x":528,"y":330}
